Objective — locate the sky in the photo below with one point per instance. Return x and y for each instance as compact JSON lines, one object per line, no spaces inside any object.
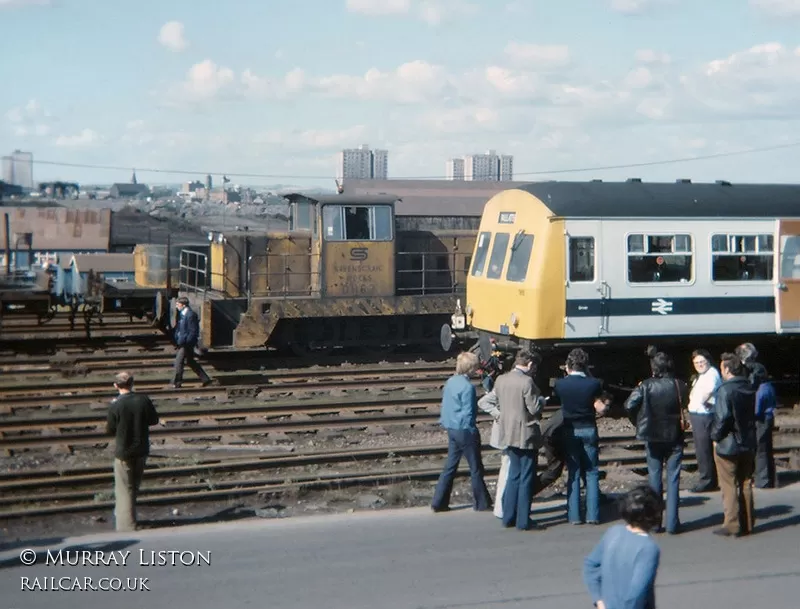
{"x":276,"y":89}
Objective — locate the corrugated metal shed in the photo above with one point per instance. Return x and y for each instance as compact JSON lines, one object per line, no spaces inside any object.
{"x":60,"y":228}
{"x":432,"y":197}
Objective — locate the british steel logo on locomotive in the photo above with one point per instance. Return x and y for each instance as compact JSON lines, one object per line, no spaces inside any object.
{"x":359,"y":253}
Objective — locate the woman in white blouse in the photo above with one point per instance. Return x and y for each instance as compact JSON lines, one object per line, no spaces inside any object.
{"x":701,"y":414}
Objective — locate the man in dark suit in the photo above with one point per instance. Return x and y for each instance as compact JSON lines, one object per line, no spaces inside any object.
{"x":186,"y":334}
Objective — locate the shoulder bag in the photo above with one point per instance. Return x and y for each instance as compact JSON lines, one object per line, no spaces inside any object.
{"x":685,"y":426}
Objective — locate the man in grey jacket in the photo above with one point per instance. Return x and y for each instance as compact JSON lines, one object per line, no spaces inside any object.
{"x":734,"y":434}
{"x":515,"y":404}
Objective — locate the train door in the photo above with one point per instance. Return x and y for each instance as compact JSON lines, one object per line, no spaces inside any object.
{"x":586,"y":289}
{"x":787,"y":292}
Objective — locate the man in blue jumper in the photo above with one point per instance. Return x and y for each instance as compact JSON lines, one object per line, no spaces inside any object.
{"x":186,"y":335}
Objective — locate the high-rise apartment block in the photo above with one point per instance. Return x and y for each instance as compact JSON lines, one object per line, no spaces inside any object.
{"x":489,"y":167}
{"x":455,"y":169}
{"x":363,"y":163}
{"x":18,"y":169}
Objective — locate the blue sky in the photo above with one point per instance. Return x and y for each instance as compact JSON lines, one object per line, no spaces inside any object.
{"x":279,"y":87}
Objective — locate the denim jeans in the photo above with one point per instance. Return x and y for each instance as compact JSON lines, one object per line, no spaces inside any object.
{"x":466,"y":442}
{"x":659,"y":453}
{"x":582,"y":448}
{"x":519,"y":487}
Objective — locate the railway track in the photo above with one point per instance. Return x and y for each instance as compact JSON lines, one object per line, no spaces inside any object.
{"x":16,"y":397}
{"x":88,"y":487}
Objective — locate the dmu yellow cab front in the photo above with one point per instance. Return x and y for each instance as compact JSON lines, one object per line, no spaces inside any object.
{"x":515,"y":287}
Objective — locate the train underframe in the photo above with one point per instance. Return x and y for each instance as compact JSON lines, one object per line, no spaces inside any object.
{"x":306,"y":326}
{"x":622,"y":362}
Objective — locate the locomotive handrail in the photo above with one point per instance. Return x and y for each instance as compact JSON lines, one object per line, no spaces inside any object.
{"x":428,"y":279}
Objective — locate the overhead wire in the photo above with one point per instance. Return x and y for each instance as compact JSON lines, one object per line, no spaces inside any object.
{"x":429,"y":177}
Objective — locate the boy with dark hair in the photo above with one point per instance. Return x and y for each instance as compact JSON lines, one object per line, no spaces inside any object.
{"x":621,"y":569}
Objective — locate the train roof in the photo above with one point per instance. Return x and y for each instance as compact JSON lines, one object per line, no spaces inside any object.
{"x":633,"y":199}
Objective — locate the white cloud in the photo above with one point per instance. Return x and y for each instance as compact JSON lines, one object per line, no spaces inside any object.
{"x":461,"y":120}
{"x":172,"y":36}
{"x":649,"y":56}
{"x":538,"y":56}
{"x":636,"y":7}
{"x":379,"y":7}
{"x":206,"y":79}
{"x":261,"y":87}
{"x":762,"y":81}
{"x":86,"y":137}
{"x":638,"y":78}
{"x":17,"y":3}
{"x":432,"y":12}
{"x":411,"y":82}
{"x":30,"y":119}
{"x":778,"y":8}
{"x":312,"y":139}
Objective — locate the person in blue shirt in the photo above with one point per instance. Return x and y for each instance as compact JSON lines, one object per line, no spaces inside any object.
{"x":766,"y":401}
{"x":620,"y":572}
{"x":458,"y":417}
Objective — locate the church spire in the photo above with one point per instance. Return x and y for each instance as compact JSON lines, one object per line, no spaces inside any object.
{"x":133,"y":178}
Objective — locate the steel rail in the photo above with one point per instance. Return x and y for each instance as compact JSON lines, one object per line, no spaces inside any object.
{"x":226,"y":489}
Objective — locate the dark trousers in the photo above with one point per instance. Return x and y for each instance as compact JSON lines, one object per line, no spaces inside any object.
{"x":466,"y":442}
{"x":518,"y":494}
{"x":552,"y":471}
{"x":185,"y":356}
{"x":659,"y":453}
{"x":765,"y":461}
{"x":704,"y":449}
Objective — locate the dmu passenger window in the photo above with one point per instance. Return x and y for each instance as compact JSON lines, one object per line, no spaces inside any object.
{"x":659,"y":258}
{"x":742,"y":257}
{"x":480,"y":254}
{"x":357,"y":222}
{"x":498,"y":257}
{"x":521,"y":249}
{"x":581,"y":259}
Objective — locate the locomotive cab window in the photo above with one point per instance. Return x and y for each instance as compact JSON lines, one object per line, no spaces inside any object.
{"x":480,"y":254}
{"x":581,"y":259}
{"x":357,"y":222}
{"x":498,"y":256}
{"x":521,"y":248}
{"x":659,"y":258}
{"x":742,"y":257}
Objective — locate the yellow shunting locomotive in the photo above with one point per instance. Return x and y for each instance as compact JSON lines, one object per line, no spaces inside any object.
{"x":347,"y":272}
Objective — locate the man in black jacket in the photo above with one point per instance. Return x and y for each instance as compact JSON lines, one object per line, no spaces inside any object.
{"x":656,"y":409}
{"x":129,"y":418}
{"x":187,"y":333}
{"x":734,"y":434}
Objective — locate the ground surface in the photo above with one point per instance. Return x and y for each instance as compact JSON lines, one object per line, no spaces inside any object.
{"x":402,"y":493}
{"x":417,"y":559}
